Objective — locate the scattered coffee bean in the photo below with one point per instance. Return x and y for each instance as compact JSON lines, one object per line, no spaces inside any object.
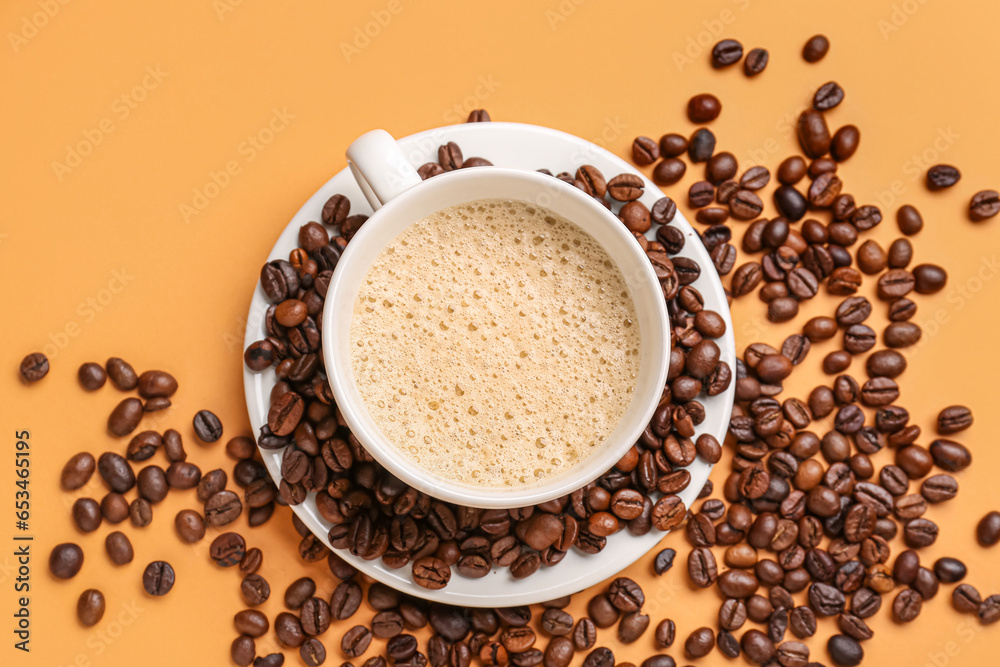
{"x":158,"y":578}
{"x":34,"y":367}
{"x":726,"y":52}
{"x":90,"y":607}
{"x":942,"y":176}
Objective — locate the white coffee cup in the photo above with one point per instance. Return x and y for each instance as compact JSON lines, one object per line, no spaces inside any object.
{"x":399,"y":198}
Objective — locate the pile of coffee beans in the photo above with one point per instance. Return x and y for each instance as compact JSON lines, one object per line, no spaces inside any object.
{"x":806,"y":517}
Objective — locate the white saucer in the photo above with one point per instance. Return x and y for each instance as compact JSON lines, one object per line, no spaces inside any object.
{"x":525,"y":147}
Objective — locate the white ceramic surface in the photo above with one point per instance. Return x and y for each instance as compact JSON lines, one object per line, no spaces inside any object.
{"x":402,"y":205}
{"x":523,"y":147}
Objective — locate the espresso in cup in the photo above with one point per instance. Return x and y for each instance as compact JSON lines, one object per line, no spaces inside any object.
{"x":495,"y":344}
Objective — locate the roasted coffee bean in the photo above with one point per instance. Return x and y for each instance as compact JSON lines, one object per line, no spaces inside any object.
{"x":845,"y":142}
{"x":816,"y":48}
{"x":906,"y":606}
{"x":158,"y":578}
{"x":825,"y":600}
{"x":949,"y":455}
{"x":701,"y":145}
{"x":664,"y":561}
{"x":65,"y":560}
{"x":212,"y":483}
{"x":77,"y":471}
{"x":845,"y":651}
{"x":151,"y":483}
{"x":699,"y":643}
{"x":663,"y":212}
{"x":315,"y":618}
{"x":755,"y":63}
{"x":989,"y":611}
{"x":988,"y":529}
{"x":227,"y":549}
{"x":939,"y":488}
{"x":90,"y":607}
{"x":431,"y":573}
{"x":118,"y":547}
{"x":91,"y":376}
{"x":828,"y":96}
{"x":255,"y":590}
{"x":966,"y":599}
{"x":745,"y":205}
{"x":702,"y":568}
{"x":672,"y":145}
{"x":222,"y":508}
{"x":114,"y":507}
{"x":33,"y":367}
{"x":942,"y":176}
{"x":901,"y":334}
{"x":301,"y":590}
{"x":646,"y":151}
{"x":726,"y":52}
{"x":190,"y":526}
{"x":929,"y":278}
{"x":207,"y":426}
{"x":625,"y":187}
{"x":288,"y":629}
{"x":984,"y":205}
{"x":387,"y":624}
{"x":116,"y":472}
{"x":701,"y":109}
{"x":757,"y":648}
{"x":954,"y":419}
{"x":121,"y":373}
{"x":949,"y":570}
{"x":920,"y":533}
{"x":791,"y":203}
{"x":814,"y":136}
{"x":125,"y":417}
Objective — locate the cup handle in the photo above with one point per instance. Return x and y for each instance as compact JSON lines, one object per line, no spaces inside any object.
{"x":380,"y":168}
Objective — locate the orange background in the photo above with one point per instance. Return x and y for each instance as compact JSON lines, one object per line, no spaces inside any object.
{"x":97,"y":259}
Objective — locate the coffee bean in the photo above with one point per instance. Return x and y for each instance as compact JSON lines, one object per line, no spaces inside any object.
{"x":431,"y":573}
{"x":745,"y":205}
{"x":726,"y":52}
{"x":920,"y":533}
{"x":988,"y":529}
{"x":756,"y":62}
{"x":701,"y":109}
{"x":190,"y":526}
{"x":901,"y":334}
{"x":255,"y":590}
{"x":222,"y":508}
{"x":91,"y":376}
{"x":65,"y":560}
{"x":315,"y":618}
{"x":593,"y":180}
{"x":118,"y":547}
{"x":950,"y":455}
{"x":906,"y":606}
{"x":288,"y":629}
{"x":77,"y":471}
{"x":33,"y":367}
{"x":790,"y":203}
{"x":668,"y":172}
{"x":909,"y":220}
{"x":299,"y":591}
{"x":984,"y":205}
{"x":275,"y":660}
{"x":845,"y":651}
{"x":828,"y":96}
{"x":699,"y":643}
{"x":344,"y":602}
{"x":645,"y":151}
{"x":989,"y":610}
{"x":939,"y":488}
{"x":701,"y":145}
{"x":813,"y":133}
{"x":207,"y":426}
{"x":312,"y":651}
{"x":954,"y":419}
{"x":158,"y":578}
{"x":966,"y":599}
{"x":125,"y":417}
{"x":942,"y":176}
{"x":845,"y":142}
{"x":929,"y":278}
{"x":702,"y":567}
{"x":90,"y":607}
{"x":625,"y":187}
{"x":757,"y":648}
{"x":227,"y":549}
